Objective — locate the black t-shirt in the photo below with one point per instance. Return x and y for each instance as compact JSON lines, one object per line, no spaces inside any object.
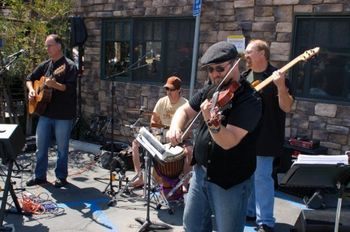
{"x":271,"y":138}
{"x":63,"y":103}
{"x":229,"y":167}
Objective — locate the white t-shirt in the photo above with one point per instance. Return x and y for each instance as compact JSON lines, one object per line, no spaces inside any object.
{"x":166,"y":110}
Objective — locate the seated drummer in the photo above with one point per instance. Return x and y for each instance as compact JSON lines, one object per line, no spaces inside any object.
{"x":161,"y":118}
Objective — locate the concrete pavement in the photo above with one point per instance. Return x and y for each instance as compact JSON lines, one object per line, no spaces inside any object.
{"x":84,"y":207}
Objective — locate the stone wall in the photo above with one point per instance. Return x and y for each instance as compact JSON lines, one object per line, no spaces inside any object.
{"x":271,"y":20}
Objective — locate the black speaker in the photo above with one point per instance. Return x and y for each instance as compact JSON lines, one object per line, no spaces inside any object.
{"x":11,"y":141}
{"x":320,"y":221}
{"x":78,"y":35}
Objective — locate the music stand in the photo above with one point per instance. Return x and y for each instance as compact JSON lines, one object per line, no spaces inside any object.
{"x":146,"y":223}
{"x":320,"y":176}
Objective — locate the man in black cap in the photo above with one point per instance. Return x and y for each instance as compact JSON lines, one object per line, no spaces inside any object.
{"x":224,"y":150}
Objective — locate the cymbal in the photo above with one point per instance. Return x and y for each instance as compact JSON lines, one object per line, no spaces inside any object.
{"x":137,"y":111}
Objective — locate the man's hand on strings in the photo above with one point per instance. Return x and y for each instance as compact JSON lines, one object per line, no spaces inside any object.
{"x":209,"y":111}
{"x":279,"y":79}
{"x":50,"y":82}
{"x":206,"y":110}
{"x":31,"y":94}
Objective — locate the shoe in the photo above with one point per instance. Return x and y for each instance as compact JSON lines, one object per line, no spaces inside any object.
{"x":60,"y":183}
{"x":36,"y":181}
{"x":250,"y":218}
{"x":264,"y":228}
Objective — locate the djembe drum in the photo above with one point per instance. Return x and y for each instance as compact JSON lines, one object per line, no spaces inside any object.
{"x":168,"y":172}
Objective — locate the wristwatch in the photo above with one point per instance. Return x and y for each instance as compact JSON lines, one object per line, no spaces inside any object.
{"x":215,"y":130}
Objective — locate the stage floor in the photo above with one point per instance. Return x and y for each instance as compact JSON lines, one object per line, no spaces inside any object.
{"x":84,"y":206}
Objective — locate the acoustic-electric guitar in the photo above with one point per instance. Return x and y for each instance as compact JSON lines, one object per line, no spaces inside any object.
{"x":43,"y":93}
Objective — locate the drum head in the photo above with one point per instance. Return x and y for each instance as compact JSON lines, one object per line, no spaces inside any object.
{"x":173,"y":153}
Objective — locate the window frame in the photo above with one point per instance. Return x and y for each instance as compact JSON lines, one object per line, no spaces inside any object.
{"x":297,"y":49}
{"x":164,"y":39}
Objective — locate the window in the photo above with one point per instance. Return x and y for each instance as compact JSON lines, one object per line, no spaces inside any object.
{"x":147,"y":49}
{"x":327,"y":77}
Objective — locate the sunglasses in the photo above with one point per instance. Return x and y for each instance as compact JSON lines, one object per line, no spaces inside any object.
{"x":171,"y":90}
{"x":219,"y":68}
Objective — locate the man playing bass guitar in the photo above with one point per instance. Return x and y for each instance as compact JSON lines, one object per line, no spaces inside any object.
{"x":57,"y":116}
{"x":277,"y":100}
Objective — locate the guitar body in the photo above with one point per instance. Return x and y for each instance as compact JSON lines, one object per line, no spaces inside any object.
{"x":43,"y":93}
{"x":43,"y":96}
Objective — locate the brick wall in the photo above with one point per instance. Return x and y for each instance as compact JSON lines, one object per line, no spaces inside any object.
{"x":271,"y":20}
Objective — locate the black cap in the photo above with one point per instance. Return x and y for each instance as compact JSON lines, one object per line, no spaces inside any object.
{"x":219,"y":52}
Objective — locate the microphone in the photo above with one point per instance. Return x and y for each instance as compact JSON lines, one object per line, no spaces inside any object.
{"x":16,"y":54}
{"x":142,"y":108}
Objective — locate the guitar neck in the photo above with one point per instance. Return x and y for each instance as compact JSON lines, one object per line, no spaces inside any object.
{"x":270,"y":78}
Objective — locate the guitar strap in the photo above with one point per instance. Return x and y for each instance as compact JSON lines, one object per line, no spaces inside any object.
{"x":49,"y":69}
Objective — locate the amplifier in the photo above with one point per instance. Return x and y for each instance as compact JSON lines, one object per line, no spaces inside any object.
{"x":305,"y":143}
{"x":11,"y":141}
{"x":320,"y":221}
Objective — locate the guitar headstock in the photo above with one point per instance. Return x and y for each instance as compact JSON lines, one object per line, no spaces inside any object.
{"x":59,"y":70}
{"x":309,"y":53}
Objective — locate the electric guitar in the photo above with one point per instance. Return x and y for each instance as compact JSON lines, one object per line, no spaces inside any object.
{"x":303,"y":57}
{"x":43,"y":93}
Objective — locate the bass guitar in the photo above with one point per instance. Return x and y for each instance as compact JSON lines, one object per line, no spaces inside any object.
{"x":303,"y":57}
{"x":43,"y":93}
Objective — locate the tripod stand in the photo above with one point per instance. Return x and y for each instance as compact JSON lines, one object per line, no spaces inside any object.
{"x":8,"y":188}
{"x":146,"y":223}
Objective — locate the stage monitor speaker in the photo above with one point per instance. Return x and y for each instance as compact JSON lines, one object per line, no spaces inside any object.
{"x":78,"y":35}
{"x":11,"y":141}
{"x":320,"y":221}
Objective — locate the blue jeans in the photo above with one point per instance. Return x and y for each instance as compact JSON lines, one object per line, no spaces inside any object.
{"x":261,"y":201}
{"x":46,"y":130}
{"x":205,"y":199}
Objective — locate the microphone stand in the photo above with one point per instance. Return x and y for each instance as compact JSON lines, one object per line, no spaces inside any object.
{"x":111,"y":191}
{"x":132,"y":67}
{"x":110,"y":146}
{"x":13,"y":116}
{"x":8,"y":64}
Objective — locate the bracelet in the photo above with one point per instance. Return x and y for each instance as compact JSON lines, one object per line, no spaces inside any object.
{"x":215,"y":130}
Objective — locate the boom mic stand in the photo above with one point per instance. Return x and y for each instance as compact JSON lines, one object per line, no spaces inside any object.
{"x":111,"y":191}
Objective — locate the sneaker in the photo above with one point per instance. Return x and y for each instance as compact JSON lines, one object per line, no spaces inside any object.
{"x":60,"y":183}
{"x":264,"y":228}
{"x":36,"y":181}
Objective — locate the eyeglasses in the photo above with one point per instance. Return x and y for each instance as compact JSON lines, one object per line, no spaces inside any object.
{"x":49,"y":45}
{"x":171,"y":90}
{"x":219,"y":68}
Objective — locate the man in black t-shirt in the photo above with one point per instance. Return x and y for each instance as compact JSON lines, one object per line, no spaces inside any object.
{"x":59,"y":78}
{"x":224,"y":150}
{"x":277,"y":100}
